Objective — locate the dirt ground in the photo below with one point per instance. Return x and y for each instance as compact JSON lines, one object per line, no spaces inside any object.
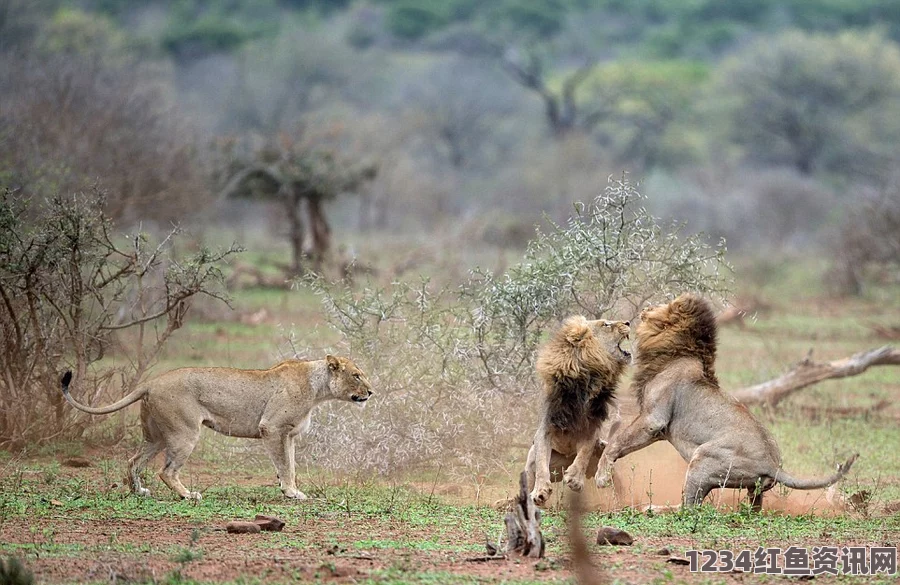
{"x":229,"y":557}
{"x":337,"y":557}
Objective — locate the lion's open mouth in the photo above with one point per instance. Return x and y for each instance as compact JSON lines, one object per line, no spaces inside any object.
{"x":624,"y":351}
{"x":358,"y":398}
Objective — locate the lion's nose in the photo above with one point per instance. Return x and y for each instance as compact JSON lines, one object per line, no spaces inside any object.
{"x":627,"y":323}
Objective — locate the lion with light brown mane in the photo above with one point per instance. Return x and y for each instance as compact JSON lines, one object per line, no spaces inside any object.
{"x":680,"y":401}
{"x":579,"y":368}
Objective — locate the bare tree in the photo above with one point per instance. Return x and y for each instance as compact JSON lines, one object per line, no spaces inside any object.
{"x":302,"y":177}
{"x":460,"y":106}
{"x":562,"y":111}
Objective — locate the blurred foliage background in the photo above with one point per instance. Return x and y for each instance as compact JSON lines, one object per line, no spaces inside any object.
{"x":767,"y":122}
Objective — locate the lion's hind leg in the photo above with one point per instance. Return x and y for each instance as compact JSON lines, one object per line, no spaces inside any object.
{"x":153,"y":444}
{"x":179,"y":446}
{"x":136,"y":464}
{"x":713,"y":465}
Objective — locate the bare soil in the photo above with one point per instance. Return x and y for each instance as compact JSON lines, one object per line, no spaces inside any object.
{"x":146,"y":550}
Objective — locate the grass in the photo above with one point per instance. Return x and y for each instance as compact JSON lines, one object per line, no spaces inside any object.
{"x":358,"y":514}
{"x":397,"y":509}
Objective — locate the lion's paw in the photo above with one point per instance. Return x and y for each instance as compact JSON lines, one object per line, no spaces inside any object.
{"x":540,"y":495}
{"x":295,"y":495}
{"x":143,"y":492}
{"x":193,"y":496}
{"x":574,"y":480}
{"x":602,"y":478}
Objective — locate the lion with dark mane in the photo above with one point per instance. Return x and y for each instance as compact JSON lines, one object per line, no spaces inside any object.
{"x":679,"y":400}
{"x":579,"y":369}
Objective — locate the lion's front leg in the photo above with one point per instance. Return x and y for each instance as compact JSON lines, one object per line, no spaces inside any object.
{"x":575,"y":474}
{"x":280,"y":445}
{"x":289,"y":482}
{"x":541,"y":491}
{"x":643,"y":431}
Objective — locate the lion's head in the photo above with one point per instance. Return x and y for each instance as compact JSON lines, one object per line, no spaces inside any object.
{"x":347,"y":381}
{"x":685,"y":327}
{"x":580,"y":367}
{"x":581,"y":347}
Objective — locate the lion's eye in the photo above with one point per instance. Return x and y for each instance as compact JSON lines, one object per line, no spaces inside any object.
{"x":356,"y":376}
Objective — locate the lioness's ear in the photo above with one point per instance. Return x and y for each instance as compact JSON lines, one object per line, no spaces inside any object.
{"x":333,"y":363}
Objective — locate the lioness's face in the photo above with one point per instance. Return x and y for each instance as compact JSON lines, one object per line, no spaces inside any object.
{"x":348,"y":382}
{"x":613,"y":334}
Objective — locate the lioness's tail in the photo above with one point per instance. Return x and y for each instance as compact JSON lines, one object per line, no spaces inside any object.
{"x":785,"y":478}
{"x":130,"y":399}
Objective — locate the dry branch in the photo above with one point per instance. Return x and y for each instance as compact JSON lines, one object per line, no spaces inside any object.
{"x":523,"y":525}
{"x":809,"y":372}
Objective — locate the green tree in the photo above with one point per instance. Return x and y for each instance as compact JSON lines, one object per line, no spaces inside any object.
{"x":815,"y":102}
{"x":637,"y":104}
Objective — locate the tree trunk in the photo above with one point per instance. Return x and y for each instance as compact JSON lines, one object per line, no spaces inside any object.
{"x":321,"y":232}
{"x":295,"y":218}
{"x":808,"y":372}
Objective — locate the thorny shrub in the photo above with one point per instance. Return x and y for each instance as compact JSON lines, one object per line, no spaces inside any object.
{"x":71,"y":292}
{"x":452,"y":367}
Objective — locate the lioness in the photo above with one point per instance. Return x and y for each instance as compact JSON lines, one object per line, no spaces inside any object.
{"x":679,"y":400}
{"x":579,"y":368}
{"x":273,"y":405}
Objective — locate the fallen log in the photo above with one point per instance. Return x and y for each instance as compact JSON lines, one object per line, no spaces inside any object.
{"x":809,"y":372}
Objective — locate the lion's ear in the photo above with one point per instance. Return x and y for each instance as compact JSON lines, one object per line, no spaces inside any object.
{"x":579,"y":335}
{"x":334,"y":364}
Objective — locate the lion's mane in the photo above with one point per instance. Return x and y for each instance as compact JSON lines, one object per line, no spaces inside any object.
{"x":686,"y":327}
{"x":579,"y":378}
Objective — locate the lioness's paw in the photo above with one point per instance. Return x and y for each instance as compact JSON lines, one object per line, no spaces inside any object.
{"x":574,"y":480}
{"x":540,"y":495}
{"x":143,"y":492}
{"x":295,"y":495}
{"x":193,"y":496}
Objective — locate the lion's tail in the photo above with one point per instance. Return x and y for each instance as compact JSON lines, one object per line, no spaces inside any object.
{"x":786,"y":479}
{"x":125,"y":401}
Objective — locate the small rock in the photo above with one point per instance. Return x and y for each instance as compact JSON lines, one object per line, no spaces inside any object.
{"x":665,"y":552}
{"x":614,"y":536}
{"x":241,"y":527}
{"x":77,"y":462}
{"x":269,"y":523}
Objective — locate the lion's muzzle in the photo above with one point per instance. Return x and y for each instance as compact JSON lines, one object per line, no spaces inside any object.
{"x":360,"y":398}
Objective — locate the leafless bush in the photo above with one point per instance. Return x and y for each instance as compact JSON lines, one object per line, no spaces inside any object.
{"x":67,"y":119}
{"x":70,"y":289}
{"x":867,"y":243}
{"x":453,"y":364}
